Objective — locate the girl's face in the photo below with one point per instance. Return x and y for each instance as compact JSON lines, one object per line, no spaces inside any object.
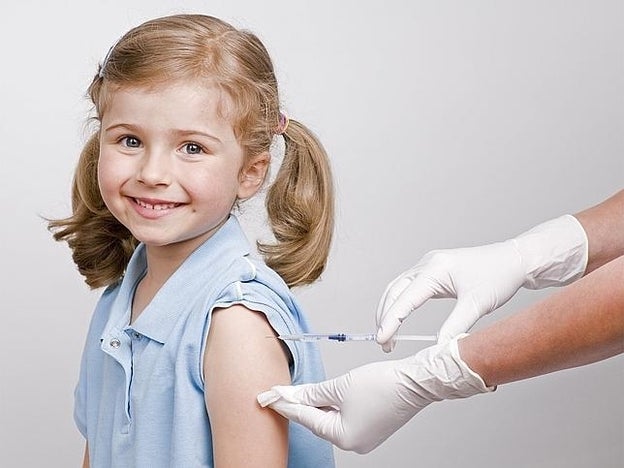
{"x":170,"y":167}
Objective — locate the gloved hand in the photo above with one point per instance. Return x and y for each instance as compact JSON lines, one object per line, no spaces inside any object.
{"x":483,"y":278}
{"x":361,"y":409}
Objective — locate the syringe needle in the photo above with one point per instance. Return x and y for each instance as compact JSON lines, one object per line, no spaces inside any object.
{"x":342,"y":337}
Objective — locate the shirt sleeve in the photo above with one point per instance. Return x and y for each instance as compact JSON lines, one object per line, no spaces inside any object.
{"x":258,"y":288}
{"x":260,"y":298}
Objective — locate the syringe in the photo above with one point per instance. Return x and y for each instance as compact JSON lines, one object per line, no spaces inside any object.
{"x":342,"y":337}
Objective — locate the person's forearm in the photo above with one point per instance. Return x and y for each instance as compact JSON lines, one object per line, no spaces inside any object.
{"x":604,"y":225}
{"x":580,"y":324}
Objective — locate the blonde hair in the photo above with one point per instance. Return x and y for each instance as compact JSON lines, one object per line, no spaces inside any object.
{"x":197,"y":47}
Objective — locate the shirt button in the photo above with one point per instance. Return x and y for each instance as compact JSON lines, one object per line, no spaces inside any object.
{"x":115,"y":343}
{"x":137,"y":335}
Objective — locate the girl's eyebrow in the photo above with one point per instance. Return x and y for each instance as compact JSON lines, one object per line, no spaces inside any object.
{"x":175,"y":132}
{"x":121,"y":125}
{"x":195,"y":132}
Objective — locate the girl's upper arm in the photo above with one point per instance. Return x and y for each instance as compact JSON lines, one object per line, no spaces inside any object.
{"x":240,"y":362}
{"x":85,"y":458}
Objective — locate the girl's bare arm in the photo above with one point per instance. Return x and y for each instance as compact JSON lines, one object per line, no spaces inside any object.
{"x":239,"y":362}
{"x":85,"y":459}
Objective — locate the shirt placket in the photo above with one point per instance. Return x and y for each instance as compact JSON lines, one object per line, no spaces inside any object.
{"x":118,"y":345}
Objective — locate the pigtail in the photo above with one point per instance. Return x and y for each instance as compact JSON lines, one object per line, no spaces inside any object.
{"x":101,"y":246}
{"x":300,"y":206}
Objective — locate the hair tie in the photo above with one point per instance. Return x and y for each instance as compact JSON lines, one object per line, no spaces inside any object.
{"x":282,"y":125}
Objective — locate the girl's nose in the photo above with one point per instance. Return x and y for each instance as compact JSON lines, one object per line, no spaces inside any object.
{"x":155,"y":168}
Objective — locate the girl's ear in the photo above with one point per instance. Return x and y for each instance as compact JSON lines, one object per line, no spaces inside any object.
{"x":252,"y":175}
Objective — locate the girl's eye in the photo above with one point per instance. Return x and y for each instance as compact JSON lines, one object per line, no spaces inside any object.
{"x":192,"y":148}
{"x":131,"y":142}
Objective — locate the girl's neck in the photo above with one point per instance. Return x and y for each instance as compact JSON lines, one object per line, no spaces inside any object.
{"x":162,"y":262}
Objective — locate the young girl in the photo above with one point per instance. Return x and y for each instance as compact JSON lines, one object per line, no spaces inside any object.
{"x":182,"y":339}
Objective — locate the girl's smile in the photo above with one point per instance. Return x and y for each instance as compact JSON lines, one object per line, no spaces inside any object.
{"x":153,"y":208}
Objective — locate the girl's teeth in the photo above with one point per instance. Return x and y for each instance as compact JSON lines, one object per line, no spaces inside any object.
{"x":165,"y":206}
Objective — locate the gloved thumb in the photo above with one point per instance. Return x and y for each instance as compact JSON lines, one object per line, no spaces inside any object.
{"x":464,"y":315}
{"x":299,"y":404}
{"x":321,"y":394}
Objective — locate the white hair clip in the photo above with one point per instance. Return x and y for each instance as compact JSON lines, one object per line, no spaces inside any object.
{"x":107,"y":57}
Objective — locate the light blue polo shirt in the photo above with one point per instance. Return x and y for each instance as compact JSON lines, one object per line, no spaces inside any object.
{"x":140,"y":401}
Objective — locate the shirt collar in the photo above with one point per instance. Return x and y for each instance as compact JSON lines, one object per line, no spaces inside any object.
{"x":180,"y":291}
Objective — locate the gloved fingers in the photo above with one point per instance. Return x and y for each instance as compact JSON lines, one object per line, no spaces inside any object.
{"x":393,"y":290}
{"x":326,"y":393}
{"x":399,"y":284}
{"x":295,"y":404}
{"x":389,"y":345}
{"x":415,"y":293}
{"x":396,"y":287}
{"x":329,"y":424}
{"x":464,"y":315}
{"x":267,"y":398}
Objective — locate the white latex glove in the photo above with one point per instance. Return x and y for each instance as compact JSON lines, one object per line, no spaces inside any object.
{"x":361,"y":409}
{"x":483,"y":278}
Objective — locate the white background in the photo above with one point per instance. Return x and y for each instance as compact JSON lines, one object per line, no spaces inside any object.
{"x":449,"y":123}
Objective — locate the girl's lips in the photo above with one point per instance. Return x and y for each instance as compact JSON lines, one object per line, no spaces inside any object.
{"x":153,"y":209}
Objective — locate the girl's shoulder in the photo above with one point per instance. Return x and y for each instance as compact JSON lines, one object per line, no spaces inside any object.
{"x":251,"y":279}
